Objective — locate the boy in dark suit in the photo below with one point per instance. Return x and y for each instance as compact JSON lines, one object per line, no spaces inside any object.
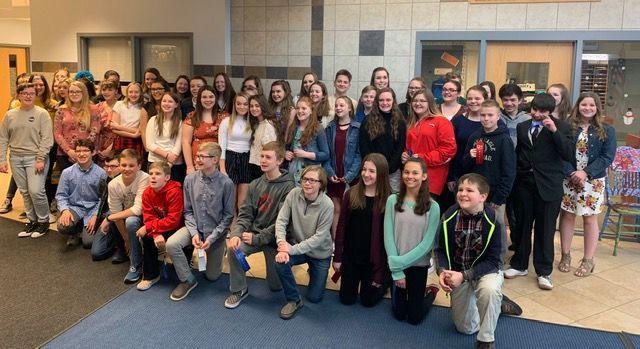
{"x":544,"y":143}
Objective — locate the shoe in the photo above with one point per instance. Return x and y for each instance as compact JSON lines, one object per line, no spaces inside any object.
{"x":234,"y":300}
{"x":485,"y":345}
{"x":146,"y":284}
{"x":565,"y":262}
{"x":41,"y":230}
{"x":586,"y":268}
{"x":29,"y":228}
{"x":289,"y":310}
{"x":73,"y":241}
{"x":22,"y":216}
{"x":132,"y":276}
{"x":52,"y":218}
{"x":513,"y":273}
{"x":182,"y":290}
{"x":545,"y":283}
{"x":119,"y":256}
{"x":509,"y":307}
{"x":6,"y":207}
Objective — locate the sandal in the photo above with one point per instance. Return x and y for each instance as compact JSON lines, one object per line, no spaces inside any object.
{"x":565,"y":262}
{"x":586,"y":268}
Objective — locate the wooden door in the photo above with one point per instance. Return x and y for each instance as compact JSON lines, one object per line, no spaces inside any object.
{"x":13,"y":61}
{"x":559,"y":56}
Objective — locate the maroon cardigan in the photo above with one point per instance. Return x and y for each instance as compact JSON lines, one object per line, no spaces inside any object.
{"x":378,"y":253}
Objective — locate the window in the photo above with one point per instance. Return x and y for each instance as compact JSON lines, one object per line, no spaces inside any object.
{"x":442,"y":57}
{"x":131,"y":54}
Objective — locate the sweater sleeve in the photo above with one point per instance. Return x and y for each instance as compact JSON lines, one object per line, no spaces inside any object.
{"x":467,"y":161}
{"x":283,"y":218}
{"x":177,"y":144}
{"x":266,"y":235}
{"x":4,"y":139}
{"x":223,"y":133}
{"x":322,"y":231}
{"x":399,"y":263}
{"x":46,"y":137}
{"x":136,"y":209}
{"x":151,"y":135}
{"x":340,"y":229}
{"x":389,"y":235}
{"x":364,"y":141}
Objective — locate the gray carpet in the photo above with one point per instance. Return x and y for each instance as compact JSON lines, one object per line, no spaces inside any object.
{"x":45,"y":288}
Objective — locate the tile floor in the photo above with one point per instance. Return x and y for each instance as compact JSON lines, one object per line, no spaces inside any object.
{"x":608,"y":299}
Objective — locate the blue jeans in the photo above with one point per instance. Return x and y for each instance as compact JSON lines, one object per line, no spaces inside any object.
{"x":132,"y":224}
{"x":103,"y":244}
{"x":318,"y":271}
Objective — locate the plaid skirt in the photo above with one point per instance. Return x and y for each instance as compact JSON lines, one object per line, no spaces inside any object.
{"x":122,"y":143}
{"x":237,"y":166}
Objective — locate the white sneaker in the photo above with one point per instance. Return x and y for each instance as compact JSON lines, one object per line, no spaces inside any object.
{"x":545,"y":283}
{"x":146,"y":284}
{"x":513,"y":273}
{"x":52,"y":218}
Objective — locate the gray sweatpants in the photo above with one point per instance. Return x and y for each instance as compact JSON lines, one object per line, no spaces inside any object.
{"x":181,"y":239}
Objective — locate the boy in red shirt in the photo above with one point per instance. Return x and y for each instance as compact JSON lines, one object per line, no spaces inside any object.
{"x":162,"y":207}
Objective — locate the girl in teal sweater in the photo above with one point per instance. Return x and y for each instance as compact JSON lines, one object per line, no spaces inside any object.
{"x":410,"y":224}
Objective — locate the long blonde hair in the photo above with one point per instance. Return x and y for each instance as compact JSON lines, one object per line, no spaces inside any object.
{"x":234,"y":114}
{"x":575,"y":118}
{"x":84,"y":113}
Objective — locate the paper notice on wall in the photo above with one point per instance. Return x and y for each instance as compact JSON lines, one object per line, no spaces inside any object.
{"x":449,"y":58}
{"x":442,"y":71}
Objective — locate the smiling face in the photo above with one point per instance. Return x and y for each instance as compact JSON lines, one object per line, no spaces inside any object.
{"x":342,"y":84}
{"x":368,"y":98}
{"x":385,"y":102}
{"x":469,"y":197}
{"x":489,"y":117}
{"x":315,"y":93}
{"x":83,"y":155}
{"x":414,"y":86}
{"x":241,"y":105}
{"x":510,"y":104}
{"x":39,"y":85}
{"x":474,"y":100}
{"x":129,"y":168}
{"x":277,"y":93}
{"x":250,"y":87}
{"x":307,"y":80}
{"x":538,"y":115}
{"x":168,"y":104}
{"x":450,"y":92}
{"x":588,"y":109}
{"x":133,"y":93}
{"x":420,"y":104}
{"x":310,"y":184}
{"x":303,"y":112}
{"x":413,"y":176}
{"x":75,"y":94}
{"x":369,"y":174}
{"x":157,"y":91}
{"x":27,"y":98}
{"x":207,"y":100}
{"x":255,"y":109}
{"x":182,"y":85}
{"x":381,"y":79}
{"x":556,"y":94}
{"x":149,"y":78}
{"x":342,"y":108}
{"x":220,"y":84}
{"x":194,"y":86}
{"x":157,"y":178}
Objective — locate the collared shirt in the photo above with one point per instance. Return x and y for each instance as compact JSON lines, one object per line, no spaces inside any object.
{"x":208,"y":204}
{"x":468,"y":235}
{"x":534,"y":125}
{"x":79,"y":190}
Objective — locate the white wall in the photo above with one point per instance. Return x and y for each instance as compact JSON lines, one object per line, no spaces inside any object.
{"x":54,"y":25}
{"x":15,"y":31}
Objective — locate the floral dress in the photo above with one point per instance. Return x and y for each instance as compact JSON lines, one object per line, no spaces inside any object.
{"x":206,"y":132}
{"x":585,"y":201}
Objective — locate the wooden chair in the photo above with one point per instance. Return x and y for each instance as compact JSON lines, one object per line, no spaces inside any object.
{"x":622,"y":193}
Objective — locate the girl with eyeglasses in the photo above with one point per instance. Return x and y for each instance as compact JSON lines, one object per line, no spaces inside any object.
{"x":450,"y":105}
{"x":415,"y":85}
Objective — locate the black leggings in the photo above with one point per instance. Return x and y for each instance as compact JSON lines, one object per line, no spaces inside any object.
{"x":410,"y":303}
{"x":358,"y":276}
{"x":150,"y":263}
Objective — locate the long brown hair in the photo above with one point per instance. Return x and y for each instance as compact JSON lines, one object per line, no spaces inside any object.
{"x":302,"y":90}
{"x":423,"y":201}
{"x":433,"y":108}
{"x":267,"y":114}
{"x":287,"y":102}
{"x":375,"y":121}
{"x":564,"y":108}
{"x":176,"y":117}
{"x":45,"y":98}
{"x":229,"y":92}
{"x":312,"y":129}
{"x":350,"y":104}
{"x":575,"y":118}
{"x":322,"y":108}
{"x":357,"y":198}
{"x":196,"y":116}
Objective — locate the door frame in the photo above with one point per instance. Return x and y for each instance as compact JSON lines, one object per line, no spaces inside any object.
{"x":576,"y":37}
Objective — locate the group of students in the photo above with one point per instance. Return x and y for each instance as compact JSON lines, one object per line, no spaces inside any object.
{"x":362,"y":184}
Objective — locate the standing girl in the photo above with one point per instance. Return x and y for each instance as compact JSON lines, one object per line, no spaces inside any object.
{"x":235,"y":140}
{"x":181,"y":87}
{"x":264,"y":129}
{"x":431,"y":138}
{"x":107,"y":137}
{"x":282,"y":106}
{"x":307,"y":80}
{"x":384,"y":131}
{"x":251,"y":85}
{"x":380,"y":78}
{"x":415,"y":85}
{"x":150,"y":75}
{"x":344,"y":155}
{"x":365,"y":105}
{"x":224,"y":91}
{"x":306,"y":142}
{"x":75,"y":120}
{"x":584,"y":186}
{"x":560,"y":93}
{"x":202,"y":125}
{"x":411,"y":220}
{"x":450,"y":106}
{"x":163,"y":136}
{"x":126,"y":121}
{"x":490,"y":87}
{"x":318,"y":95}
{"x":359,"y":243}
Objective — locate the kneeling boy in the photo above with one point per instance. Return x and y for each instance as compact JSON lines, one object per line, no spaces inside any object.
{"x":469,"y":259}
{"x":208,"y":212}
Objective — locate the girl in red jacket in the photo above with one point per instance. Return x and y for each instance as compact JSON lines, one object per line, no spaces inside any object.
{"x":430,"y":137}
{"x":162,"y":207}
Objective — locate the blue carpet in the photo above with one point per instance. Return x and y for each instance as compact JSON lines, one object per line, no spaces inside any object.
{"x":634,"y":339}
{"x":151,"y":320}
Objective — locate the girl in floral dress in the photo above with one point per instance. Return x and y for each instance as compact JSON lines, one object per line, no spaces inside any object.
{"x":584,"y":185}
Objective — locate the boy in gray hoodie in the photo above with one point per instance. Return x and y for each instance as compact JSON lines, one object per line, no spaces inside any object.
{"x":309,"y":212}
{"x":255,"y":227}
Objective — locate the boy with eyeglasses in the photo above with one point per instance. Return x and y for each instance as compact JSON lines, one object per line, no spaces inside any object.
{"x":309,"y":212}
{"x":209,"y":201}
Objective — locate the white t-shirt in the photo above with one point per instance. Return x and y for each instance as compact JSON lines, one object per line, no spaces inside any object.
{"x":238,"y":139}
{"x":122,"y":197}
{"x":129,"y":116}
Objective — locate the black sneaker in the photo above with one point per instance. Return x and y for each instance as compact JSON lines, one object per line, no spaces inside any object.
{"x":40,"y":230}
{"x":509,"y":307}
{"x":119,"y":256}
{"x":29,"y":228}
{"x":485,"y":345}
